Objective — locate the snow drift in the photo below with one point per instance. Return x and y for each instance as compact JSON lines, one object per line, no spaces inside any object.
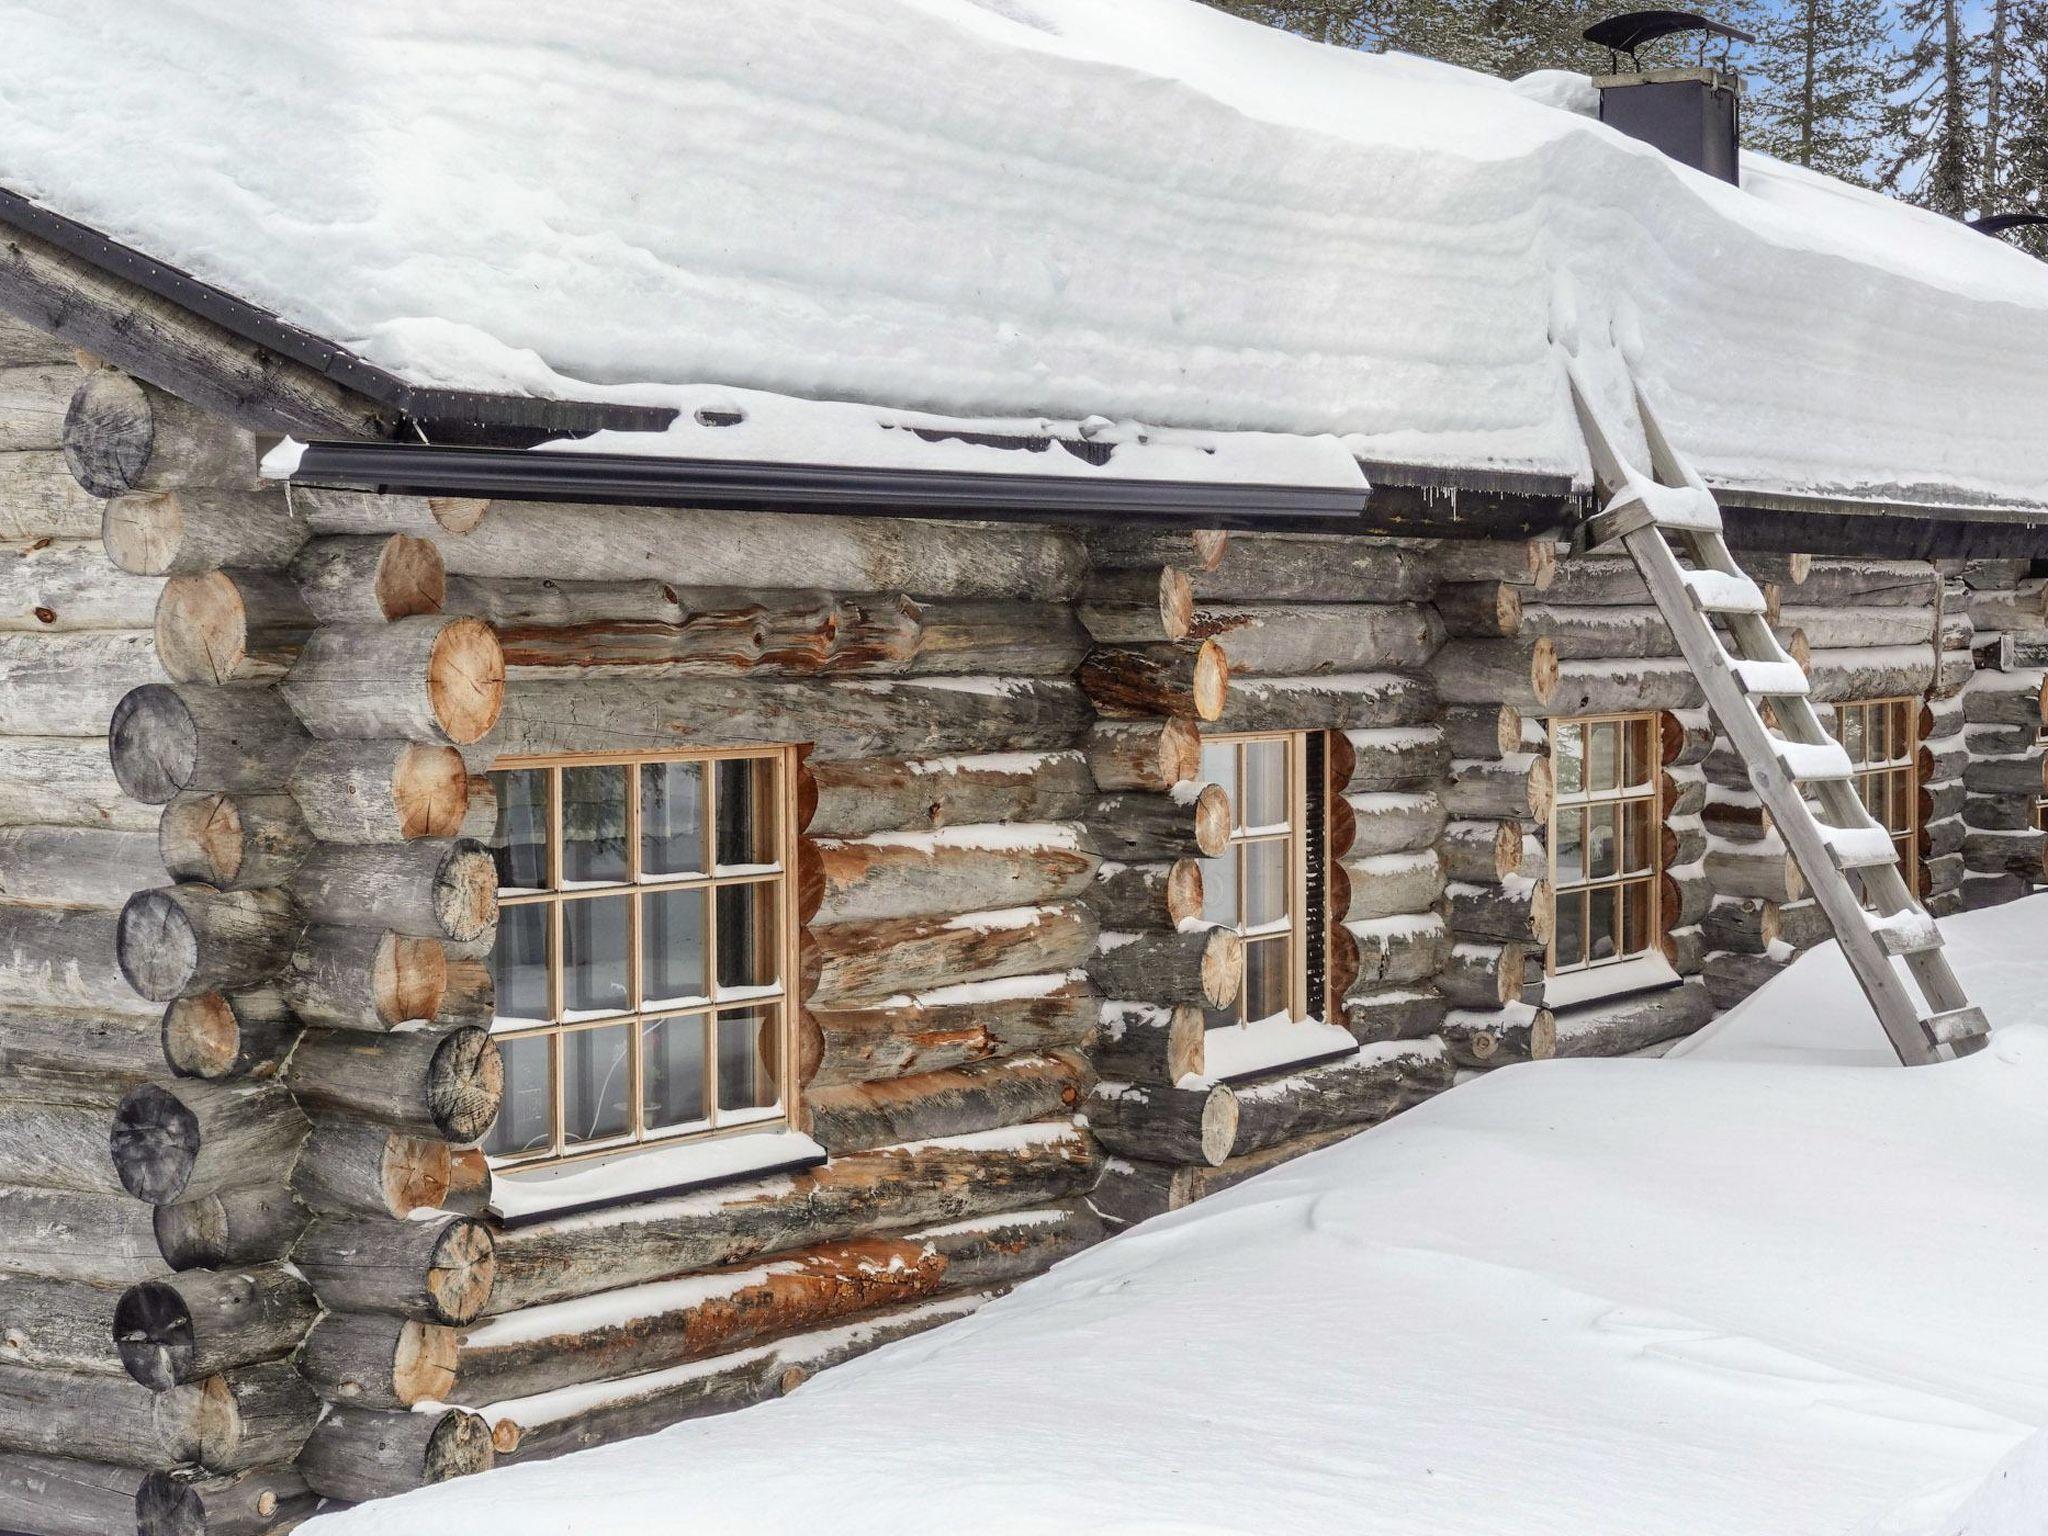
{"x":1578,"y":1298}
{"x":1143,"y":210}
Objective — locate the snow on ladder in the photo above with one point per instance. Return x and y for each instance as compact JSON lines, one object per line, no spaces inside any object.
{"x":1830,"y":835}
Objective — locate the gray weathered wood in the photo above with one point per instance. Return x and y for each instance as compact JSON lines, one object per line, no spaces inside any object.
{"x":854,"y":798}
{"x":1202,"y":966}
{"x":1134,"y":897}
{"x":381,"y":791}
{"x":217,"y":1035}
{"x":61,"y":957}
{"x":59,"y":1496}
{"x":164,"y":739}
{"x":122,"y":435}
{"x":859,"y":964}
{"x":340,"y":513}
{"x":247,"y":841}
{"x":370,"y":578}
{"x":183,"y":1140}
{"x":365,"y":978}
{"x":190,"y":532}
{"x":1361,"y":1089}
{"x":254,"y":1502}
{"x":439,"y":1271}
{"x":432,"y":888}
{"x":955,"y":1101}
{"x":431,"y":1083}
{"x":1344,"y":701}
{"x":426,"y":678}
{"x":184,"y":1328}
{"x":75,"y":866}
{"x":69,"y":684}
{"x":181,"y":940}
{"x":931,"y":1032}
{"x":56,"y":585}
{"x":1143,"y":825}
{"x":1636,"y":1023}
{"x":376,"y":1360}
{"x":1165,"y":1124}
{"x":361,"y":1453}
{"x":230,"y":627}
{"x":33,"y":399}
{"x":1144,"y":754}
{"x":1184,"y":681}
{"x":360,"y":1167}
{"x":249,"y":1225}
{"x":1150,"y":1045}
{"x":39,"y":499}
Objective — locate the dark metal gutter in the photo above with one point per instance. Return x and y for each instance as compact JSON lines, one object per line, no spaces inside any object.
{"x":441,"y":413}
{"x":520,"y":475}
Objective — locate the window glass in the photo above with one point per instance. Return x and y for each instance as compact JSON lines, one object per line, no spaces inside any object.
{"x":1605,"y":840}
{"x":639,"y":959}
{"x":1882,"y":739}
{"x":1258,"y":883}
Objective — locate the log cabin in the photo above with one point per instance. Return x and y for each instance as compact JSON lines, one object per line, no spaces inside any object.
{"x":533,"y":912}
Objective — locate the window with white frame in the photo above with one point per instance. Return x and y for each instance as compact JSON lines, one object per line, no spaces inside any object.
{"x":1606,"y":840}
{"x":643,"y":949}
{"x":1259,"y":883}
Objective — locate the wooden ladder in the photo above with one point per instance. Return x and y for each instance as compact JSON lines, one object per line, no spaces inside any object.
{"x":1803,"y":776}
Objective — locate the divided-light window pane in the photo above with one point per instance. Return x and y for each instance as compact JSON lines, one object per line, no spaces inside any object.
{"x":1882,"y":740}
{"x":640,"y":960}
{"x":1256,"y":884}
{"x":1605,"y":840}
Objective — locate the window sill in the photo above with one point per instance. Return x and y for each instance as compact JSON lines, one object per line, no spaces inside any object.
{"x":1240,"y":1053}
{"x":1645,"y":973}
{"x":648,"y":1173}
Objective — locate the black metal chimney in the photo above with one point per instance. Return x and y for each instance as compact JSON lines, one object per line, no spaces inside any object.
{"x":1692,"y":113}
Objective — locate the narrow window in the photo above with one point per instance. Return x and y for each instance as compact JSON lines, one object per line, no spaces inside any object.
{"x":1882,"y":738}
{"x":1259,"y":884}
{"x":643,"y":950}
{"x":1606,"y":840}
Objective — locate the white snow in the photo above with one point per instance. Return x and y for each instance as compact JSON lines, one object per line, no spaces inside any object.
{"x":643,"y":1172}
{"x":1260,"y":1045}
{"x":1811,"y":760}
{"x":1719,"y":592}
{"x":1729,"y":1293}
{"x":1019,"y":209}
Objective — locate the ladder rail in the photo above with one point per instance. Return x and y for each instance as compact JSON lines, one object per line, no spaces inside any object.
{"x":1942,"y":1017}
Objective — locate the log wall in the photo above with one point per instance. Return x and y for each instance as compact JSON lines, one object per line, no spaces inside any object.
{"x":245,"y":1226}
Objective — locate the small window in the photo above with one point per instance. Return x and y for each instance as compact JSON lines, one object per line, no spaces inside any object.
{"x":1882,"y":738}
{"x":1258,"y":885}
{"x":643,"y":950}
{"x":1605,"y":841}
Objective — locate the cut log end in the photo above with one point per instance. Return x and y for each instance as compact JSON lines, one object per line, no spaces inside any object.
{"x":202,"y":629}
{"x":410,"y":578}
{"x":1211,"y":682}
{"x":153,"y":1335}
{"x":466,"y":680}
{"x":466,"y":894}
{"x":1176,"y":603}
{"x":153,"y":743}
{"x":156,"y":946}
{"x":430,"y":787}
{"x":459,"y":514}
{"x":409,"y":978}
{"x":142,"y":534}
{"x":462,"y":1272}
{"x":1219,"y":1125}
{"x":466,"y":1085}
{"x":1544,"y":673}
{"x":1184,"y":890}
{"x":1222,"y":967}
{"x":1212,"y":820}
{"x":154,"y":1145}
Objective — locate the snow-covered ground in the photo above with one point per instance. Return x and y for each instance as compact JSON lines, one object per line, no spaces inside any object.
{"x":1143,"y":210}
{"x":1755,"y":1290}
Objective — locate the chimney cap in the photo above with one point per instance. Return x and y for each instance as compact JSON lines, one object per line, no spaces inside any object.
{"x":1632,"y":29}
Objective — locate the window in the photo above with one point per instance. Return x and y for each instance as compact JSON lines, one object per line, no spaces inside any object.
{"x":643,"y":945}
{"x":1259,"y":884}
{"x":1605,"y":841}
{"x":1882,"y":738}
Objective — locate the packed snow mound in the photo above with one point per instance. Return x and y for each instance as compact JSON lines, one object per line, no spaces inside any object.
{"x":1573,"y":1298}
{"x":1144,"y":210}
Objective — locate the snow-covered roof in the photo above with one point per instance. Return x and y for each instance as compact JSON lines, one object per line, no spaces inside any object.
{"x":1145,"y":211}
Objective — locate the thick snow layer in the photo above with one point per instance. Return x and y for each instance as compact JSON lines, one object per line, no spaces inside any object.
{"x":1575,"y":1298}
{"x":1144,"y":211}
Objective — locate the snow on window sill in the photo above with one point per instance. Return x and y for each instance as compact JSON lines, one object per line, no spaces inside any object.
{"x":646,"y":1173}
{"x":1236,"y":1051}
{"x":1606,"y":982}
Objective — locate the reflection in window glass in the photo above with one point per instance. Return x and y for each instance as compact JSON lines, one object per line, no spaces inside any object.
{"x":638,"y":983}
{"x":1256,"y":884}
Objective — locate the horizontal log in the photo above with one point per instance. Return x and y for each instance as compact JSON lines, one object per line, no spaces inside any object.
{"x":1143,"y":754}
{"x":1622,"y":687}
{"x":374,"y":1360}
{"x":893,"y":719}
{"x":121,"y":435}
{"x":2022,"y":776}
{"x":75,"y":866}
{"x":1387,"y":885}
{"x":1996,"y":740}
{"x":854,"y":798}
{"x":69,"y":684}
{"x":381,"y":791}
{"x":1386,"y":821}
{"x":858,"y":964}
{"x":53,"y":1324}
{"x":426,"y":678}
{"x":1520,"y":673}
{"x":1495,"y":1036}
{"x":181,"y":940}
{"x":105,"y":1238}
{"x":2021,"y":607}
{"x":1379,"y":1015}
{"x":967,"y":869}
{"x":1204,"y":966}
{"x":1164,"y":1124}
{"x":247,"y":841}
{"x":1392,"y":950}
{"x":249,"y":1225}
{"x":1869,"y":584}
{"x":1365,"y":1088}
{"x":746,"y":549}
{"x":109,"y":1418}
{"x":39,"y":499}
{"x":1394,"y":757}
{"x":1841,"y":675}
{"x":1943,"y":760}
{"x":1311,"y":639}
{"x":370,"y":578}
{"x":33,"y":399}
{"x":218,"y":1035}
{"x":184,"y":1328}
{"x":1116,"y":599}
{"x":1146,"y":1044}
{"x":365,"y":978}
{"x":1990,"y":813}
{"x":1283,"y":568}
{"x":2007,"y":699}
{"x":1517,"y":911}
{"x":1847,"y":628}
{"x":948,"y":1027}
{"x":429,"y":888}
{"x":438,"y":1271}
{"x":1622,"y":1027}
{"x":1482,"y":730}
{"x":1142,"y":825}
{"x":1597,"y":633}
{"x":333,"y":512}
{"x":44,"y":1048}
{"x":360,"y":1167}
{"x":1482,"y":852}
{"x":190,"y":532}
{"x":1481,"y":976}
{"x":2018,"y":853}
{"x":65,"y":781}
{"x":956,"y":1101}
{"x":1730,"y":978}
{"x":1134,"y":897}
{"x":860,"y":1194}
{"x":1480,"y":609}
{"x":61,"y":1496}
{"x":22,"y":343}
{"x":164,"y":740}
{"x":258,"y":1499}
{"x":231,"y":627}
{"x":58,"y":957}
{"x":1344,"y":701}
{"x":184,"y":1140}
{"x":362,"y":1453}
{"x":1940,"y":837}
{"x":431,"y":1083}
{"x":58,"y":586}
{"x":1137,"y":546}
{"x":1187,"y":681}
{"x":1502,"y":789}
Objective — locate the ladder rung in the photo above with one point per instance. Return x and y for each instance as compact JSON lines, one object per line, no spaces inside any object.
{"x":1770,"y":679}
{"x":1905,"y":933}
{"x":1810,"y":762}
{"x":1858,"y":847}
{"x":1679,"y":508}
{"x":1956,"y":1026}
{"x":1719,"y":592}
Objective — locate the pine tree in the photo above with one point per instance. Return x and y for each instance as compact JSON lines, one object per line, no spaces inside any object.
{"x":2022,"y":173}
{"x":1932,"y":116}
{"x":1817,"y":92}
